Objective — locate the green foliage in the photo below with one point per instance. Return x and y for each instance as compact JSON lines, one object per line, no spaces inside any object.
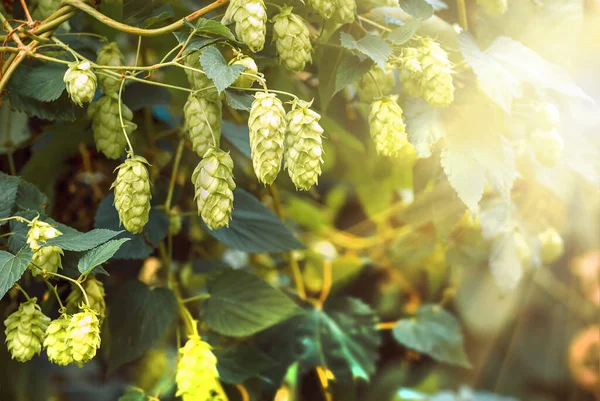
{"x":371,"y":46}
{"x":99,"y":255}
{"x":12,"y":268}
{"x":218,"y":70}
{"x":421,"y":9}
{"x":240,"y":362}
{"x":9,"y":187}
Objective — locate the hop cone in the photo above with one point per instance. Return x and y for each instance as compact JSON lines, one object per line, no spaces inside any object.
{"x":46,"y":259}
{"x":56,"y":341}
{"x":494,"y":8}
{"x":303,"y":146}
{"x":548,"y":146}
{"x":81,"y":82}
{"x":25,"y":331}
{"x":197,"y":375}
{"x":95,"y":292}
{"x":250,"y":17}
{"x":377,"y":79}
{"x":345,"y":12}
{"x":324,"y":7}
{"x":110,"y":55}
{"x":198,"y":80}
{"x":267,"y":128}
{"x":202,"y":122}
{"x":387,"y":127}
{"x":83,"y":336}
{"x":132,"y":194}
{"x":40,"y":231}
{"x":214,"y":185}
{"x":106,"y":125}
{"x":292,"y":40}
{"x":410,"y":72}
{"x":244,"y":81}
{"x":552,"y":245}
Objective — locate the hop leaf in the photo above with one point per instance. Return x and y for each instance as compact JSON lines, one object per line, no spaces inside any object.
{"x":552,"y":245}
{"x":56,"y":343}
{"x":250,"y":17}
{"x":494,"y":8}
{"x":46,"y":259}
{"x":132,"y":194}
{"x":95,"y":293}
{"x":197,"y":375}
{"x":324,"y":7}
{"x":110,"y":55}
{"x":376,"y":80}
{"x":106,"y":125}
{"x":303,"y":146}
{"x":83,"y":336}
{"x":25,"y":331}
{"x":198,"y":79}
{"x":202,"y":122}
{"x":214,"y":185}
{"x":81,"y":82}
{"x":245,"y":81}
{"x":387,"y":127}
{"x":345,"y":11}
{"x":267,"y":128}
{"x":292,"y":40}
{"x":547,"y":146}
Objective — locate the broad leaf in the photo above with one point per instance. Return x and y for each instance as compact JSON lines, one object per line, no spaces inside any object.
{"x":242,"y":303}
{"x":254,"y":228}
{"x":12,"y":268}
{"x":29,"y":197}
{"x":239,"y":100}
{"x":505,"y":261}
{"x":329,"y":62}
{"x":138,"y":95}
{"x":77,"y":241}
{"x":139,"y":317}
{"x":14,"y":128}
{"x":351,"y":69}
{"x":145,"y":13}
{"x":241,"y":362}
{"x":424,"y":125}
{"x":370,"y":45}
{"x":45,"y":82}
{"x":434,"y":332}
{"x":99,"y":255}
{"x":404,"y":33}
{"x":212,"y":27}
{"x":9,"y":187}
{"x":217,"y":69}
{"x":417,"y":8}
{"x":238,"y":136}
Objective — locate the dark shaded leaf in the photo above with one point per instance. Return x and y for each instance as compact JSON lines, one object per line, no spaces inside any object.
{"x":329,"y":63}
{"x":370,"y":45}
{"x":241,"y":362}
{"x":237,"y":135}
{"x":138,"y":95}
{"x":77,"y":241}
{"x":12,"y":268}
{"x":351,"y":69}
{"x":45,"y":82}
{"x":9,"y":187}
{"x":145,"y":13}
{"x":204,"y":25}
{"x":29,"y":197}
{"x":238,"y":100}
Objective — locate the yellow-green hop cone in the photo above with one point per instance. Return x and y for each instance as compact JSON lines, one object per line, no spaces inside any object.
{"x":95,"y":292}
{"x":548,"y":146}
{"x":25,"y":331}
{"x":202,"y":122}
{"x":46,"y":259}
{"x":214,"y":185}
{"x":345,"y":11}
{"x":197,"y":376}
{"x":267,"y":127}
{"x":110,"y":55}
{"x":292,"y":40}
{"x":376,"y":80}
{"x":106,"y":125}
{"x":303,"y":146}
{"x":410,"y":71}
{"x":56,"y":344}
{"x":81,"y":82}
{"x":132,"y":194}
{"x":250,"y":17}
{"x":324,"y":7}
{"x":387,"y":127}
{"x":83,"y":336}
{"x":245,"y":81}
{"x":552,"y":245}
{"x":40,"y":231}
{"x":198,"y":79}
{"x":495,"y":8}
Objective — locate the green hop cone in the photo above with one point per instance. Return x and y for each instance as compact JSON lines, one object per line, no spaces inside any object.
{"x":267,"y":131}
{"x":495,"y":8}
{"x":410,"y":71}
{"x":214,"y":185}
{"x":345,"y":11}
{"x":106,"y":125}
{"x":46,"y":259}
{"x":303,"y":146}
{"x":197,"y":376}
{"x":56,"y":343}
{"x":110,"y":55}
{"x":324,"y":7}
{"x":292,"y":40}
{"x":376,"y":80}
{"x":83,"y":336}
{"x":387,"y":127}
{"x":95,"y":292}
{"x":552,"y":245}
{"x":132,"y":194}
{"x":198,"y":79}
{"x":40,"y":231}
{"x":202,"y":122}
{"x":548,"y":146}
{"x":81,"y":82}
{"x":25,"y":331}
{"x":250,"y":17}
{"x":245,"y":81}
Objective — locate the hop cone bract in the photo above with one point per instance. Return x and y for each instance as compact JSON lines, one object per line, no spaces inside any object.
{"x":387,"y":127}
{"x":81,"y":82}
{"x":345,"y":11}
{"x":548,"y":146}
{"x":245,"y":81}
{"x":132,"y":194}
{"x":110,"y":55}
{"x":40,"y":231}
{"x":267,"y":129}
{"x":83,"y":335}
{"x":198,"y":79}
{"x":376,"y":80}
{"x":56,"y":343}
{"x":197,"y":376}
{"x":47,"y":258}
{"x":494,"y":8}
{"x":324,"y":7}
{"x":202,"y":122}
{"x":95,"y":292}
{"x":292,"y":40}
{"x":214,"y":185}
{"x":25,"y":331}
{"x":106,"y":125}
{"x":250,"y":17}
{"x":303,"y":146}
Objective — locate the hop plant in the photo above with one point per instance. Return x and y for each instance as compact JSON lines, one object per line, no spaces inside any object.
{"x":267,"y":129}
{"x":197,"y":376}
{"x":214,"y":185}
{"x":324,"y":7}
{"x":292,"y":40}
{"x":175,"y":224}
{"x":106,"y":125}
{"x":81,"y":82}
{"x":40,"y":231}
{"x":56,"y":343}
{"x":345,"y":11}
{"x":95,"y":293}
{"x":373,"y":82}
{"x":25,"y":331}
{"x":552,"y":245}
{"x":110,"y":55}
{"x":46,"y":258}
{"x":250,"y":17}
{"x":45,"y":8}
{"x":548,"y":146}
{"x":387,"y":127}
{"x":303,"y":146}
{"x":198,"y":79}
{"x":494,"y":8}
{"x":132,"y":194}
{"x":202,"y":122}
{"x":83,"y":336}
{"x":245,"y":81}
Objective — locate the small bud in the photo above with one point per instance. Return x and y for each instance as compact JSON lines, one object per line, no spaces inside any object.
{"x":132,"y":194}
{"x":26,"y":330}
{"x":81,"y":82}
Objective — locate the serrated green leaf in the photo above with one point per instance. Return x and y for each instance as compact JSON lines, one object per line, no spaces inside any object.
{"x":238,"y":100}
{"x":12,"y":268}
{"x":9,"y":186}
{"x":139,"y":317}
{"x":372,"y":46}
{"x":196,"y":43}
{"x":45,"y":82}
{"x":435,"y":332}
{"x":204,"y":25}
{"x":329,"y":62}
{"x":145,"y":13}
{"x":424,"y":125}
{"x":100,"y":254}
{"x":404,"y":33}
{"x":29,"y":197}
{"x":254,"y":228}
{"x":241,"y":362}
{"x":505,"y":261}
{"x":14,"y":128}
{"x":351,"y":69}
{"x":217,"y":69}
{"x":241,"y":303}
{"x":77,"y":241}
{"x":417,"y":8}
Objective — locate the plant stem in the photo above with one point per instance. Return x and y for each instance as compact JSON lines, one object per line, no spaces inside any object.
{"x":27,"y":14}
{"x":462,"y":14}
{"x":11,"y":163}
{"x":85,"y":297}
{"x":327,"y":282}
{"x":386,"y":325}
{"x":123,"y":126}
{"x":23,"y":291}
{"x":199,"y":297}
{"x":53,"y":289}
{"x":375,"y":24}
{"x":176,"y":163}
